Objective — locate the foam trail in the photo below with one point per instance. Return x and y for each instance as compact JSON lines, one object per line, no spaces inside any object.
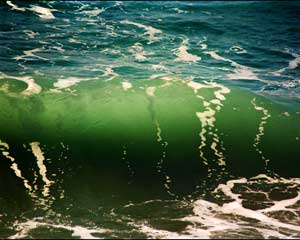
{"x":37,"y":152}
{"x":207,"y":118}
{"x":159,"y":166}
{"x":15,"y":7}
{"x":240,"y":71}
{"x":42,"y":12}
{"x":151,"y":31}
{"x":4,"y":147}
{"x":183,"y":55}
{"x":261,"y":128}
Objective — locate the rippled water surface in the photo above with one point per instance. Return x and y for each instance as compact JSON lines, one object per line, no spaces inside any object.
{"x":149,"y":119}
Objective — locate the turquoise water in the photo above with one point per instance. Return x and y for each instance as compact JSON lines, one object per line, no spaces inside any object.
{"x":149,"y":119}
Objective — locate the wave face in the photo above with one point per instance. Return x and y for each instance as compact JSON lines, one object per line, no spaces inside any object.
{"x":149,"y":120}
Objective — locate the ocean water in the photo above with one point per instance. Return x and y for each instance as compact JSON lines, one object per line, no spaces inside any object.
{"x":149,"y":119}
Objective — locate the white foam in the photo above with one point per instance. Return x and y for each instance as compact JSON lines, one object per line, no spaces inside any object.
{"x":207,"y":117}
{"x":209,"y":214}
{"x":159,"y":66}
{"x":150,"y":91}
{"x":15,"y":7}
{"x":73,"y":40}
{"x":240,"y":71}
{"x":160,"y":234}
{"x":30,"y":53}
{"x":126,"y":85}
{"x":110,"y":72}
{"x":238,"y":49}
{"x":31,"y":33}
{"x":32,"y":87}
{"x":202,"y":43}
{"x":294,"y":63}
{"x":236,"y":207}
{"x":93,"y":13}
{"x":69,"y":82}
{"x":37,"y":152}
{"x":138,"y":51}
{"x":42,"y":12}
{"x":151,"y":31}
{"x":180,"y":10}
{"x":77,"y":231}
{"x":183,"y":55}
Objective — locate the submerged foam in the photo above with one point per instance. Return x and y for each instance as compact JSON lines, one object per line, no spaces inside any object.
{"x":126,"y":85}
{"x":64,"y":83}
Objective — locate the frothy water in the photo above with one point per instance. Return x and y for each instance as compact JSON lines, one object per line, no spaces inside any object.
{"x":149,"y":120}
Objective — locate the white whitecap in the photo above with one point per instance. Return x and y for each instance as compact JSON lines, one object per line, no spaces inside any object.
{"x":150,"y":31}
{"x":183,"y":55}
{"x":239,"y":71}
{"x":42,"y":12}
{"x":15,"y":7}
{"x":138,"y":51}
